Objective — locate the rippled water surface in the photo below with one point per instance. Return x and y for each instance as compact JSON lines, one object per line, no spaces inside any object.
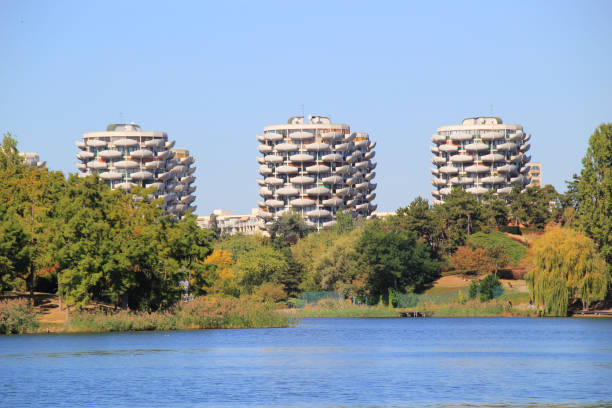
{"x":320,"y":363}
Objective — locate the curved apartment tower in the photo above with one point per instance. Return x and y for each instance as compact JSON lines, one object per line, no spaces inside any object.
{"x":315,"y":168}
{"x":480,"y":155}
{"x":125,"y":156}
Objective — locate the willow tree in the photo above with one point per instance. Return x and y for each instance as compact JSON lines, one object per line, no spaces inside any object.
{"x":566,"y":266}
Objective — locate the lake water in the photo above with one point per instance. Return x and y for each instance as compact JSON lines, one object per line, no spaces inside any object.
{"x":319,"y":363}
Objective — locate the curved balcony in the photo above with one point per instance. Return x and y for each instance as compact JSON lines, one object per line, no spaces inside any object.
{"x":438,"y":182}
{"x":275,"y":203}
{"x":96,"y":143}
{"x":372,"y":145}
{"x":344,"y":192}
{"x":261,"y":204}
{"x":370,"y":176}
{"x":370,"y":197}
{"x":448,"y":148}
{"x":126,"y":164}
{"x":300,"y":180}
{"x":274,"y":181}
{"x":317,"y":147}
{"x":317,"y":169}
{"x":461,"y":137}
{"x":110,"y":154}
{"x":493,"y":180}
{"x":506,"y":147}
{"x":142,"y":154}
{"x":477,"y":168}
{"x":364,"y":165}
{"x":301,"y":158}
{"x":264,"y":170}
{"x":518,"y":158}
{"x":435,"y":193}
{"x":260,"y":138}
{"x":163,"y":154}
{"x":125,"y":143}
{"x":97,"y":165}
{"x":262,"y":148}
{"x":437,"y":160}
{"x":169,"y":144}
{"x":335,"y":179}
{"x":302,"y":202}
{"x":493,"y":157}
{"x":449,"y":170}
{"x":272,"y":158}
{"x":178,"y":169}
{"x":273,"y":137}
{"x":461,"y":158}
{"x":477,"y":147}
{"x":352,"y":158}
{"x":260,"y":160}
{"x":80,"y":144}
{"x":342,"y":147}
{"x":81,"y":166}
{"x":360,"y":144}
{"x":192,"y":189}
{"x":433,"y":171}
{"x":477,"y":190}
{"x":507,"y":168}
{"x":287,"y":191}
{"x":332,"y":158}
{"x":301,"y":135}
{"x":154,"y":143}
{"x":285,"y":147}
{"x":111,"y":175}
{"x":331,"y":136}
{"x":363,"y":186}
{"x":155,"y":164}
{"x":445,"y":191}
{"x":190,"y":171}
{"x":125,"y":186}
{"x":265,"y":192}
{"x":333,"y":202}
{"x":373,"y":166}
{"x":519,"y":180}
{"x":265,"y":214}
{"x":344,"y":170}
{"x":165,"y":176}
{"x":188,"y":199}
{"x":516,"y":136}
{"x":261,"y":182}
{"x":488,"y":136}
{"x":179,"y":188}
{"x":158,"y":186}
{"x":525,"y":147}
{"x":434,"y":149}
{"x":438,"y":138}
{"x":373,"y":186}
{"x":319,"y":213}
{"x":285,"y":169}
{"x":351,"y":203}
{"x":349,"y":137}
{"x":505,"y":190}
{"x":526,"y":138}
{"x":318,"y":191}
{"x":188,"y":179}
{"x":85,"y":155}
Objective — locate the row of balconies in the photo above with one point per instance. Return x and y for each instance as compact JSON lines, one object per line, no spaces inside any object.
{"x":486,"y":136}
{"x":124,"y":142}
{"x":290,"y":191}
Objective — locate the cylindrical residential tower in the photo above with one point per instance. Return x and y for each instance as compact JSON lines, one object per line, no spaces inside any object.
{"x":479,"y":155}
{"x":125,"y":156}
{"x":315,"y":168}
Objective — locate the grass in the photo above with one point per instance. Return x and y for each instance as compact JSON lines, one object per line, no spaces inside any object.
{"x":17,"y":316}
{"x":513,"y":249}
{"x":340,"y":308}
{"x":201,"y":313}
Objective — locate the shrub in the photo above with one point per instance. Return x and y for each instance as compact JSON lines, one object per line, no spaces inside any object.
{"x":488,"y":287}
{"x":473,"y":289}
{"x":513,"y":249}
{"x":17,"y":316}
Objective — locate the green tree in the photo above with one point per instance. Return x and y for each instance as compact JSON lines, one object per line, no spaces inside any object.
{"x":289,"y":228}
{"x":594,"y":190}
{"x":420,"y":218}
{"x":15,"y":251}
{"x":461,"y":216}
{"x":494,"y":210}
{"x":9,"y":155}
{"x":566,"y":265}
{"x":264,"y":265}
{"x":392,"y":260}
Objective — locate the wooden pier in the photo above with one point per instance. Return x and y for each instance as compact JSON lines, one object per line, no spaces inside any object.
{"x":415,"y":314}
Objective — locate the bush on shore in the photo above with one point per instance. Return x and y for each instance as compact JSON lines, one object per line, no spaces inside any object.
{"x":201,"y":313}
{"x":17,"y":316}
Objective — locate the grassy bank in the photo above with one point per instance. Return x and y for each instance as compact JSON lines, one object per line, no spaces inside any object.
{"x":340,"y":308}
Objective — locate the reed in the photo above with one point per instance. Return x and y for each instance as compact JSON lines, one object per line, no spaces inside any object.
{"x":17,"y":316}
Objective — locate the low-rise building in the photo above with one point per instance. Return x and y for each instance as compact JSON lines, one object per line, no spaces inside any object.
{"x":534,"y":172}
{"x":231,"y":224}
{"x":32,"y":159}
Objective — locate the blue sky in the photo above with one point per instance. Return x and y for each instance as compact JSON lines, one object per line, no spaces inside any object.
{"x":213,"y":75}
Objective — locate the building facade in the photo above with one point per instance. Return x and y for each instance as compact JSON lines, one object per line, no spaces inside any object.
{"x":315,"y":169}
{"x":32,"y":159}
{"x":481,"y":154}
{"x":534,"y":172}
{"x":232,"y":224}
{"x":125,"y":156}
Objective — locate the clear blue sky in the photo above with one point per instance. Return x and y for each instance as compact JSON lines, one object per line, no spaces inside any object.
{"x":213,"y":75}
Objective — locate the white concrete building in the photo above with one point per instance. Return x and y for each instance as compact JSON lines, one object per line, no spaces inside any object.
{"x":315,"y":168}
{"x":32,"y":159}
{"x":124,"y":156}
{"x":231,"y":224}
{"x":480,"y":155}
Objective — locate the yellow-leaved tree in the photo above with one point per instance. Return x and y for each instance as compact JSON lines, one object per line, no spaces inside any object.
{"x":566,"y":265}
{"x":219,"y":277}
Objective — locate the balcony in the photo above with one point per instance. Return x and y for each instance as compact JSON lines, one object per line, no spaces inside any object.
{"x":342,"y":147}
{"x":272,"y":158}
{"x":152,"y":165}
{"x":438,"y":182}
{"x":360,"y":144}
{"x":332,"y":158}
{"x":285,"y":147}
{"x":110,"y":154}
{"x":493,"y":180}
{"x":81,"y":166}
{"x":525,"y":147}
{"x":461,"y":158}
{"x":438,"y":138}
{"x":286,"y":170}
{"x":344,"y":192}
{"x":333,"y":202}
{"x":301,"y":135}
{"x":489,"y":136}
{"x":154,"y":143}
{"x":287,"y":191}
{"x":273,"y":137}
{"x":265,"y":192}
{"x":370,"y":176}
{"x":370,"y":197}
{"x":317,"y":169}
{"x":96,"y":143}
{"x":333,"y":180}
{"x":265,"y":170}
{"x":302,"y":202}
{"x":477,"y":168}
{"x":434,"y":150}
{"x":318,"y":213}
{"x":85,"y":155}
{"x":125,"y":186}
{"x":111,"y":175}
{"x":126,"y":164}
{"x":493,"y":157}
{"x":142,"y":154}
{"x":437,"y":160}
{"x":264,"y":148}
{"x":506,"y":147}
{"x":260,"y":138}
{"x":302,"y":180}
{"x":505,"y":190}
{"x":448,"y":148}
{"x":461,"y":137}
{"x":125,"y":143}
{"x":331,"y":136}
{"x":461,"y":181}
{"x":274,"y":181}
{"x":477,"y":190}
{"x":275,"y":203}
{"x":178,"y":169}
{"x":97,"y":165}
{"x":302,"y":158}
{"x":80,"y":144}
{"x":169,"y":144}
{"x":318,"y":191}
{"x":449,"y":170}
{"x":477,"y":147}
{"x":188,"y":179}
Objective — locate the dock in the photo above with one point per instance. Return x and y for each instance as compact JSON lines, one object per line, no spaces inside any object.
{"x":416,"y":314}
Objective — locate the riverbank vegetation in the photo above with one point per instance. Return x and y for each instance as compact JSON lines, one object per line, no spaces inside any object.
{"x":76,"y":238}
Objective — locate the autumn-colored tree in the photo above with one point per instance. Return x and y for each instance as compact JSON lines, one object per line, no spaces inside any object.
{"x":566,"y":266}
{"x":219,"y":278}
